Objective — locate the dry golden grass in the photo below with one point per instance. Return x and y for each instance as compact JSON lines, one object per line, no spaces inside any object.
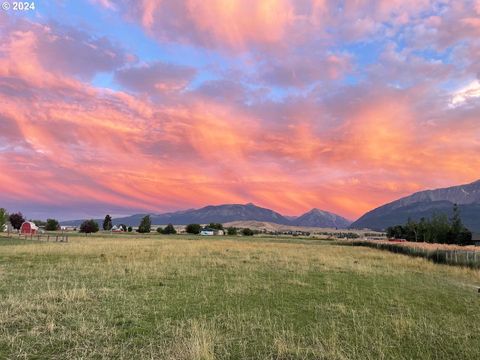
{"x":194,"y":298}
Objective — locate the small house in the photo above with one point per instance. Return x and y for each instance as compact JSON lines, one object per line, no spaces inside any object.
{"x":117,"y":228}
{"x":28,"y":228}
{"x":207,"y":232}
{"x":476,"y":239}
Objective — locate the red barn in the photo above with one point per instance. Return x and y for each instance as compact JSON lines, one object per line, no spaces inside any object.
{"x":28,"y":228}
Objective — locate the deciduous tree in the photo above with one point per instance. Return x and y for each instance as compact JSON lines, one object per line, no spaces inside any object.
{"x":193,"y":228}
{"x":16,"y":219}
{"x":52,"y":225}
{"x":89,"y":226}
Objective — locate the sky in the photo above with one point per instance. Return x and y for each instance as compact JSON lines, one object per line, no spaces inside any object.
{"x":123,"y":106}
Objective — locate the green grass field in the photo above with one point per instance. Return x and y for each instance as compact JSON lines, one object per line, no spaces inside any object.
{"x":219,"y":298}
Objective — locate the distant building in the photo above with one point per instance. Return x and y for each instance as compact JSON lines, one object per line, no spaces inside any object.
{"x":28,"y":228}
{"x":207,"y":232}
{"x":476,"y":239}
{"x":116,"y":228}
{"x":68,"y":228}
{"x":7,"y":228}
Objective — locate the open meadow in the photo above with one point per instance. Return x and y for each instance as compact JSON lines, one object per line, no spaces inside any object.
{"x":186,"y":297}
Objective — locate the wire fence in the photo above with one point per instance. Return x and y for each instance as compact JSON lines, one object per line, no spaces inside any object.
{"x":38,"y":237}
{"x":465,"y":258}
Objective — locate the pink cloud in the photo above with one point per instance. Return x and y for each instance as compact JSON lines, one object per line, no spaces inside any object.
{"x":345,"y":149}
{"x":300,"y":71}
{"x":155,"y":77}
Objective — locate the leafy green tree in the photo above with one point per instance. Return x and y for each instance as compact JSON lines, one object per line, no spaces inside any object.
{"x":107,"y":223}
{"x":438,"y":229}
{"x":457,"y":225}
{"x":130,"y":229}
{"x":232,"y":230}
{"x":16,"y":219}
{"x":411,"y":230}
{"x":52,"y":225}
{"x":247,"y":232}
{"x":123,"y":227}
{"x":145,"y":225}
{"x":464,"y":237}
{"x":89,"y":226}
{"x":193,"y":228}
{"x":169,"y":229}
{"x":215,"y":226}
{"x":160,"y":230}
{"x":3,"y":219}
{"x":422,"y":229}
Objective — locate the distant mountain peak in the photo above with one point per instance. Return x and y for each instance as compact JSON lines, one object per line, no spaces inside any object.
{"x":233,"y":212}
{"x":321,"y":218}
{"x":425,"y":204}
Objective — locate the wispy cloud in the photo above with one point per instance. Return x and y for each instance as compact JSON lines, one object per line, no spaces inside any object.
{"x":290,"y":109}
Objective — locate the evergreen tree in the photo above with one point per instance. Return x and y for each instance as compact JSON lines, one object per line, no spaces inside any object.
{"x":107,"y":223}
{"x":145,"y":225}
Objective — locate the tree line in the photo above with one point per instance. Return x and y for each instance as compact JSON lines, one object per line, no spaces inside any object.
{"x":91,"y":226}
{"x":438,"y":229}
{"x":17,"y":219}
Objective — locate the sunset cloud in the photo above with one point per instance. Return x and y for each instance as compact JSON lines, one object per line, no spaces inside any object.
{"x":156,"y":77}
{"x":287,"y":104}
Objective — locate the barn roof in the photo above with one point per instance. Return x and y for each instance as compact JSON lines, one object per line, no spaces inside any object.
{"x":32,"y":225}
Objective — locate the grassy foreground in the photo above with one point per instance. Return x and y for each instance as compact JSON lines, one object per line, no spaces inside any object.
{"x":180,"y":298}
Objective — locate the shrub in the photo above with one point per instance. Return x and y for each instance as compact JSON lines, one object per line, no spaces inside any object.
{"x":169,"y":229}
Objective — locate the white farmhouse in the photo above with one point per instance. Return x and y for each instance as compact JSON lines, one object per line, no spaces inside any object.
{"x":207,"y":232}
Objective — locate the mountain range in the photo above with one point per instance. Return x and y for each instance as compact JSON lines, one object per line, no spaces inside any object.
{"x":232,"y":212}
{"x":425,"y":204}
{"x":421,"y":204}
